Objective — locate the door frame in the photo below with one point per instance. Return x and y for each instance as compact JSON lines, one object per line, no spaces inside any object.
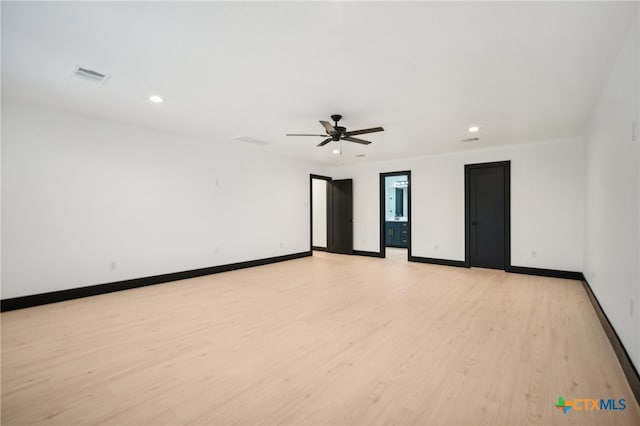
{"x":328,"y":179}
{"x":506,"y":166}
{"x":383,"y":215}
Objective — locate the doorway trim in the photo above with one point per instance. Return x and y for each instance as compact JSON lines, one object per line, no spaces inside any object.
{"x":506,"y":166}
{"x":383,"y":216}
{"x":311,"y":178}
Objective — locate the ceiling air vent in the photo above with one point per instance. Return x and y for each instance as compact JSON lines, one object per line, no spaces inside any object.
{"x":471,"y":140}
{"x":92,"y":75}
{"x":249,"y":139}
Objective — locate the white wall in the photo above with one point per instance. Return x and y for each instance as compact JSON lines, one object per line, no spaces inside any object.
{"x":319,"y":194}
{"x":612,"y":234}
{"x":80,"y":193}
{"x":546,"y":202}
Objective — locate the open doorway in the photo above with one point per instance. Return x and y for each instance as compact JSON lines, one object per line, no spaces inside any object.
{"x":319,"y":212}
{"x":395,"y":214}
{"x":331,"y":212}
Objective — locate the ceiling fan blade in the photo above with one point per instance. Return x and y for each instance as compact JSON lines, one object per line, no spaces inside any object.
{"x":324,"y":142}
{"x":328,"y":127}
{"x":363,"y":131}
{"x":356,"y":140}
{"x":304,"y":134}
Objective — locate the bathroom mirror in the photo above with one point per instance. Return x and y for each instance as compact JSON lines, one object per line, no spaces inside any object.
{"x":396,"y":188}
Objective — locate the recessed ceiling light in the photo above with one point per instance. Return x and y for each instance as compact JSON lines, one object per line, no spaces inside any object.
{"x":336,"y":151}
{"x":473,"y":129}
{"x":156,"y":99}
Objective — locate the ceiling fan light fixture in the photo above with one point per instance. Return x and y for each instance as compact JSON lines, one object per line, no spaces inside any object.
{"x":156,"y":99}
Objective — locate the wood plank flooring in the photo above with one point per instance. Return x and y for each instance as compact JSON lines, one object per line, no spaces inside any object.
{"x":324,"y":340}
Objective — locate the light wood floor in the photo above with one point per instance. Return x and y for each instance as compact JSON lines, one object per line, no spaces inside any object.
{"x":325,"y":340}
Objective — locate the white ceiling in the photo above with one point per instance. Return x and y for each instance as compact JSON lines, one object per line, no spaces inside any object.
{"x":424,"y":71}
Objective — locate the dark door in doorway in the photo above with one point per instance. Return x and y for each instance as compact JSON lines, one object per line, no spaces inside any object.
{"x":340,"y":195}
{"x":487,"y":227}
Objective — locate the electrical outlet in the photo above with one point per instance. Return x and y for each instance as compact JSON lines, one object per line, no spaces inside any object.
{"x":534,"y":253}
{"x":436,"y":247}
{"x":216,"y":250}
{"x":281,"y":244}
{"x":113,"y":265}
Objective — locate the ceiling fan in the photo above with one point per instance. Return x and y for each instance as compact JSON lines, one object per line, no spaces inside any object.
{"x":338,"y":133}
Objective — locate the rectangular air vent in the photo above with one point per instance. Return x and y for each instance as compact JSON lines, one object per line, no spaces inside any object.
{"x":251,"y":140}
{"x":92,"y":75}
{"x":471,"y":140}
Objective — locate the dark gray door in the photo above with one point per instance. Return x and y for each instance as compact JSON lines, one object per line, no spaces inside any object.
{"x":341,"y":216}
{"x":487,"y":217}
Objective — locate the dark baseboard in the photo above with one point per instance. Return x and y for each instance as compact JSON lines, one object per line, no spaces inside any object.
{"x":553,"y":273}
{"x":94,"y":290}
{"x":446,"y":262}
{"x":367,"y":253}
{"x":629,"y":369}
{"x":316,"y":248}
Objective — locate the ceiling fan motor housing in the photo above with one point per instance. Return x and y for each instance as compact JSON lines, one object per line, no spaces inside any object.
{"x":339,"y":132}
